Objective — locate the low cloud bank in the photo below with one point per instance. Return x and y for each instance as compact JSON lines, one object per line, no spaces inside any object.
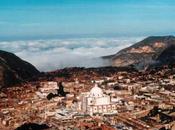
{"x":49,"y":55}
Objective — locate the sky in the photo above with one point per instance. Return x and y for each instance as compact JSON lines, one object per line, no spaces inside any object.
{"x":54,"y":34}
{"x":20,"y":19}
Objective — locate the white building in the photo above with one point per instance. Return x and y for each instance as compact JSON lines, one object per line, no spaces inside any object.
{"x":46,"y":88}
{"x":96,"y":102}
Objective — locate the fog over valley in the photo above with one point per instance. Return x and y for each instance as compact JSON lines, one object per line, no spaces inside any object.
{"x":49,"y":55}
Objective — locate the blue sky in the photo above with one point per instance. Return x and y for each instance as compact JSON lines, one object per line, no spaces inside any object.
{"x":52,"y":18}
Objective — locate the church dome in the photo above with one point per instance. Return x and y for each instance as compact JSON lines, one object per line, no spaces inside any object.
{"x":96,"y":91}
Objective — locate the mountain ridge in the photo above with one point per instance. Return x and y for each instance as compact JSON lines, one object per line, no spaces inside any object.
{"x":143,"y":54}
{"x":14,"y":70}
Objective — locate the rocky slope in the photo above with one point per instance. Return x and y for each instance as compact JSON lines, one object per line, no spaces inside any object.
{"x":151,"y":52}
{"x":13,"y":69}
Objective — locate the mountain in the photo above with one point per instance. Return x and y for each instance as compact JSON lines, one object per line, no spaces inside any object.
{"x":14,"y":70}
{"x":151,"y":52}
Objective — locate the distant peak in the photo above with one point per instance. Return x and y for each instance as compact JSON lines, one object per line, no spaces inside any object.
{"x":160,"y":37}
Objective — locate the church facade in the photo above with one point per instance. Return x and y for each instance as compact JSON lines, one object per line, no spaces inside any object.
{"x":96,"y":102}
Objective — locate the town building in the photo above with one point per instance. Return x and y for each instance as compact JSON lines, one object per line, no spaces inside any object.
{"x":96,"y":102}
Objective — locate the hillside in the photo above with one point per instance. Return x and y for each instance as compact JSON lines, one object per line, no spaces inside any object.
{"x":13,"y":69}
{"x":151,"y":52}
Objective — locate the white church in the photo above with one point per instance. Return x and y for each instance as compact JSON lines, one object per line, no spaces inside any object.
{"x":96,"y":102}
